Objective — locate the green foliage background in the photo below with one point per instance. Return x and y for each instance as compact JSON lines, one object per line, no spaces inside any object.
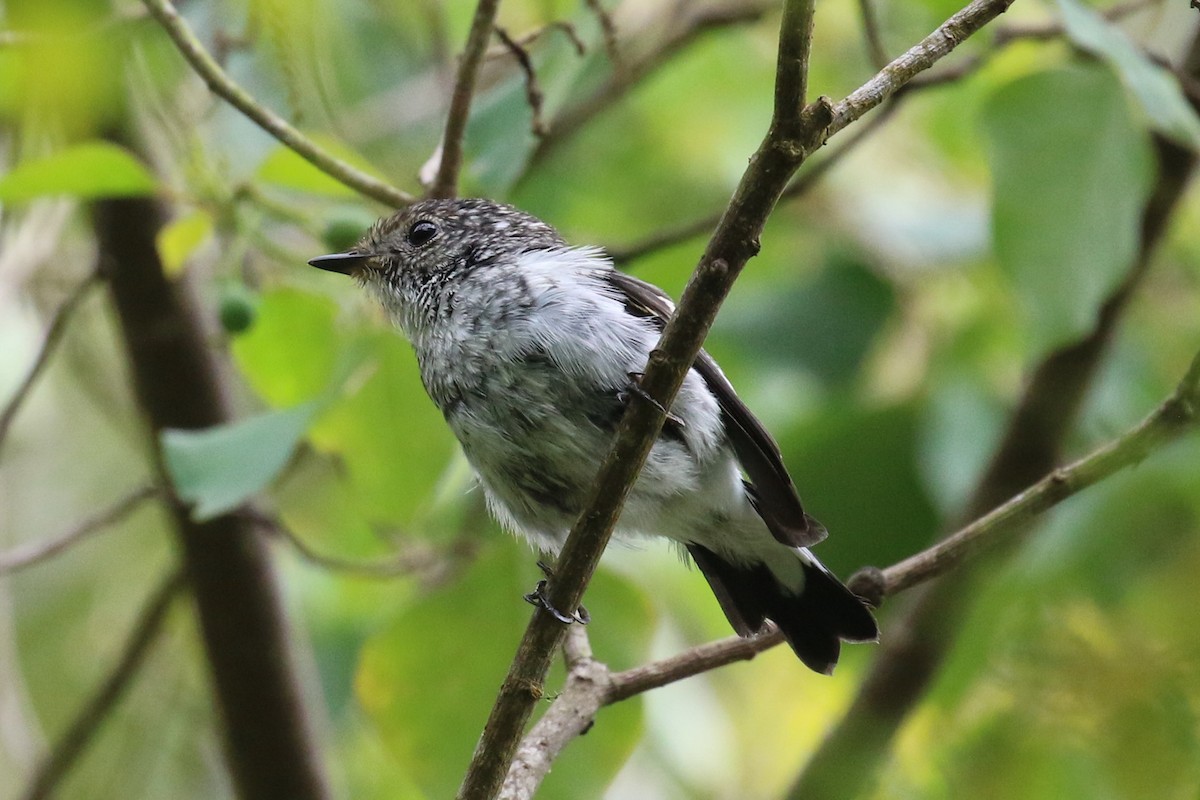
{"x":883,"y":333}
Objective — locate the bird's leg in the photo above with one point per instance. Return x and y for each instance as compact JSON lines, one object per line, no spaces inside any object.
{"x":540,"y":598}
{"x":635,"y":388}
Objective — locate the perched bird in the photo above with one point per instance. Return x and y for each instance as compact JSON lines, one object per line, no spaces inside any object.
{"x":531,"y":348}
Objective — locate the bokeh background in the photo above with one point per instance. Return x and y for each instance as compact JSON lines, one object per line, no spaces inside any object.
{"x":884,"y":334}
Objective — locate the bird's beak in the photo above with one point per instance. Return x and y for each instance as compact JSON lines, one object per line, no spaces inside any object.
{"x":345,"y":263}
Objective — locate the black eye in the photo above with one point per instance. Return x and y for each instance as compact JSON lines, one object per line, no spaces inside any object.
{"x":421,"y":232}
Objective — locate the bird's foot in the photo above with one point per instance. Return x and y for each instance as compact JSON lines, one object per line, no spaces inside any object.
{"x":635,"y":389}
{"x":540,"y":598}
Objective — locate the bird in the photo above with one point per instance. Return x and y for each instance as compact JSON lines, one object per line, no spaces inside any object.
{"x":531,"y":348}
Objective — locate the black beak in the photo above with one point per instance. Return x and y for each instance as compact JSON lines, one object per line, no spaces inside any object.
{"x":345,"y":263}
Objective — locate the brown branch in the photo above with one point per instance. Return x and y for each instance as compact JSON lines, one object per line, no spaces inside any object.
{"x":608,"y":29}
{"x":533,"y":91}
{"x":445,"y":182}
{"x":1004,"y":36}
{"x":223,"y":86}
{"x":633,"y":71}
{"x":405,"y":563}
{"x":87,"y":721}
{"x":809,"y":177}
{"x":591,"y":686}
{"x":793,"y":133}
{"x":918,"y":641}
{"x":27,"y":555}
{"x":268,"y":736}
{"x":58,"y":327}
{"x":733,"y":244}
{"x":915,"y":60}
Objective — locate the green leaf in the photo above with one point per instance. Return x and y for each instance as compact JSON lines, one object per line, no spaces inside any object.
{"x":429,"y":678}
{"x":217,"y":469}
{"x":181,"y":237}
{"x":1156,"y":89}
{"x":1071,"y":172}
{"x":825,"y":324}
{"x":90,"y":170}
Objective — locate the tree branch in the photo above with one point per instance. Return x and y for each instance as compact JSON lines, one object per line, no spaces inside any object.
{"x":58,"y":326}
{"x":268,"y":736}
{"x":872,"y":34}
{"x":733,"y":244}
{"x":223,"y":86}
{"x":445,"y":182}
{"x":949,"y":35}
{"x":591,"y":686}
{"x":633,"y":71}
{"x":920,"y":638}
{"x":792,"y":134}
{"x":86,"y":723}
{"x":32,"y":553}
{"x":808,"y":177}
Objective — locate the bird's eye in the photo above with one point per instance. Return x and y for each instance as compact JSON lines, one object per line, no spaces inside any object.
{"x":421,"y":232}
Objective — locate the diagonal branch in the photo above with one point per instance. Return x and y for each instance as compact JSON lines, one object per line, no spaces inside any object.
{"x":633,"y":71}
{"x":445,"y":183}
{"x":58,"y":326}
{"x":794,"y":132}
{"x":733,"y":244}
{"x":224,"y":86}
{"x":36,"y":552}
{"x":591,"y":686}
{"x":87,"y":721}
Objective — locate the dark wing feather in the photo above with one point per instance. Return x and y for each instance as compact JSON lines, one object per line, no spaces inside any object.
{"x":770,"y":488}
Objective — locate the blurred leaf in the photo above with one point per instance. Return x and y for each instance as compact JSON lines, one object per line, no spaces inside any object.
{"x":288,"y":170}
{"x":386,"y":431}
{"x":86,"y":171}
{"x":825,"y":325}
{"x":857,"y":472}
{"x":962,"y":424}
{"x":429,"y":678}
{"x":179,"y":238}
{"x":1068,"y":197}
{"x":290,"y":354}
{"x":1155,"y":88}
{"x":217,"y":469}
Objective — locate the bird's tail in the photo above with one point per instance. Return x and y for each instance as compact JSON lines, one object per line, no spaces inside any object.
{"x":815,"y":619}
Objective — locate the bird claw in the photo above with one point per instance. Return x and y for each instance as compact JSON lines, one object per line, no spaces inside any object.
{"x":635,"y":388}
{"x":540,"y":598}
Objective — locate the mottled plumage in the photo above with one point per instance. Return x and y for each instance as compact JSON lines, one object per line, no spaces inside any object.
{"x":527,"y":346}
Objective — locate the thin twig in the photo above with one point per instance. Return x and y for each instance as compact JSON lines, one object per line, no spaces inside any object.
{"x":401,"y":564}
{"x":793,"y":133}
{"x":86,"y":724}
{"x":445,"y":182}
{"x":591,"y":686}
{"x":35,"y":552}
{"x":872,"y":34}
{"x":223,"y":86}
{"x":735,"y":241}
{"x":634,"y":71}
{"x":808,"y":177}
{"x":533,"y":92}
{"x":609,"y":32}
{"x":528,"y":39}
{"x":58,"y":326}
{"x":915,"y":60}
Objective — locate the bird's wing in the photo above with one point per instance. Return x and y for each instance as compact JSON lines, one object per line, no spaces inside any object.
{"x":769,"y":488}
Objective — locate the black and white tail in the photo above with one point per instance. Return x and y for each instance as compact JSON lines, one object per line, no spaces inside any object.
{"x":815,"y":621}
